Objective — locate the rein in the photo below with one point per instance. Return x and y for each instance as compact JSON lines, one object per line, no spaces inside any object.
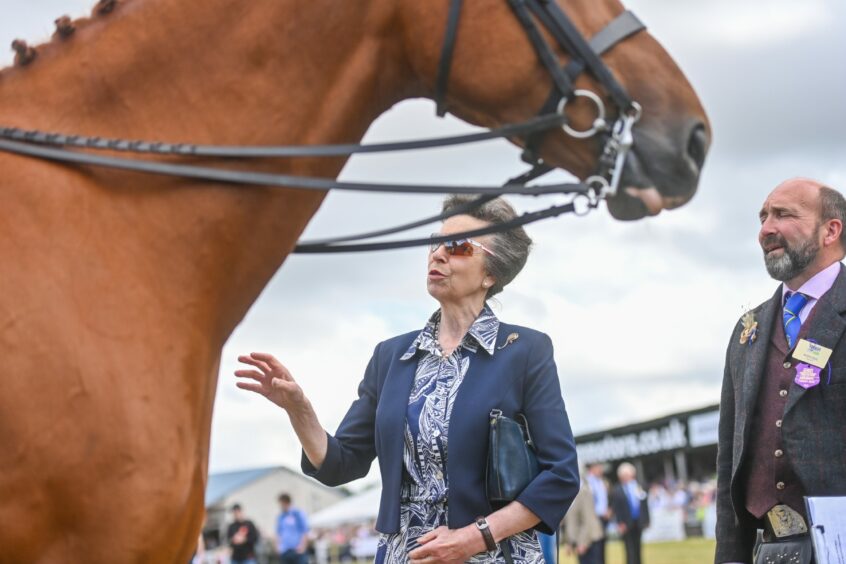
{"x":587,"y":194}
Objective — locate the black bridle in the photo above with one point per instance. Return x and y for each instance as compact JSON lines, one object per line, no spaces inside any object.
{"x":585,"y":54}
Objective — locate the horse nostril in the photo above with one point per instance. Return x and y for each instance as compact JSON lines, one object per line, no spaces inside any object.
{"x":697,"y":145}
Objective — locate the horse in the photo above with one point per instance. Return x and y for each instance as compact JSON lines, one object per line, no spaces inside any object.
{"x":120,"y":289}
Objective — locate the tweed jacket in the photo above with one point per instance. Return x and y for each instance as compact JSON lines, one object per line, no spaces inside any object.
{"x":581,"y":525}
{"x":520,"y":377}
{"x":813,"y":425}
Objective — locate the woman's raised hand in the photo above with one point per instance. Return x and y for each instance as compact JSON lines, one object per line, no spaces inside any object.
{"x":270,"y":379}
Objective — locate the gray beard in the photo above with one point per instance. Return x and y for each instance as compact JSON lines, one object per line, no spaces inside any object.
{"x":793,"y":261}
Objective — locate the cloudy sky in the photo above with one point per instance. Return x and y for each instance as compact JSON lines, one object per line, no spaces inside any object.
{"x":640,"y":313}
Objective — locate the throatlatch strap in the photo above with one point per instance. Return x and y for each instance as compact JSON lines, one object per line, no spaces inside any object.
{"x":445,"y":64}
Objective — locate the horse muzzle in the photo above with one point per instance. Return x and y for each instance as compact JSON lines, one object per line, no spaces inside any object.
{"x":661,"y":171}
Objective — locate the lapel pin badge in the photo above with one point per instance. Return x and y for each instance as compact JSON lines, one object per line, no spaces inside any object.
{"x":750,"y":328}
{"x":508,"y":340}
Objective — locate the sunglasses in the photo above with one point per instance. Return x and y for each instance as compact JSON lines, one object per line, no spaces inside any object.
{"x":459,"y":247}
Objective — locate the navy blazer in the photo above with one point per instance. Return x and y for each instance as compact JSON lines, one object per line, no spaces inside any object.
{"x":519,"y":377}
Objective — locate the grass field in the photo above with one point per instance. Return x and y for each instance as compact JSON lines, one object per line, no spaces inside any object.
{"x":690,"y":551}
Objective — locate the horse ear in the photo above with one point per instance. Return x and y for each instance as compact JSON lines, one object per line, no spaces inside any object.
{"x":64,"y":27}
{"x":24,"y":54}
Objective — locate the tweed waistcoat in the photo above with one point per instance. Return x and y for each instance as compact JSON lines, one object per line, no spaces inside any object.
{"x":768,"y":475}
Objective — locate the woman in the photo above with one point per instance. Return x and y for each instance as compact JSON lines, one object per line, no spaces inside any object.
{"x":423,"y":408}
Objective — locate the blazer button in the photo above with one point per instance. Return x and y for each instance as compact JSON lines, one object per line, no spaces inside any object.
{"x":778,"y":423}
{"x":779,"y":453}
{"x":787,"y":364}
{"x":779,"y":485}
{"x":782,"y":393}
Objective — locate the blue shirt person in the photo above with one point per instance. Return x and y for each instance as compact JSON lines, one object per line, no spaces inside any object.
{"x":291,"y":530}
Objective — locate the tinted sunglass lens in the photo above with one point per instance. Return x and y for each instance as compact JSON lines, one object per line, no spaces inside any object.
{"x":463,"y":249}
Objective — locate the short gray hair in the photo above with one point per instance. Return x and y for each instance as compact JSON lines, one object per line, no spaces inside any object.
{"x":833,"y":206}
{"x":511,"y":247}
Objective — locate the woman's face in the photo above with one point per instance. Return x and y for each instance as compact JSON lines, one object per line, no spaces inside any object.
{"x":456,"y":279}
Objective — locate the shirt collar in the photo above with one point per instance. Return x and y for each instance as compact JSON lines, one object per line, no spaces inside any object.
{"x":818,"y":284}
{"x":482,"y":333}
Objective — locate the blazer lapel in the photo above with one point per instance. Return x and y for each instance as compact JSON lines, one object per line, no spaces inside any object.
{"x":393,"y":404}
{"x":826,"y":328}
{"x":756,"y":359}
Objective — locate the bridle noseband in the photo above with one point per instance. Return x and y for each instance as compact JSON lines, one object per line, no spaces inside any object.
{"x":586,"y":195}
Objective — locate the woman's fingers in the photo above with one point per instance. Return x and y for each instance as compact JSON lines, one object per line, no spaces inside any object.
{"x":267,"y":363}
{"x":273,"y":363}
{"x":431,"y":535}
{"x":251,"y":386}
{"x":253,"y":374}
{"x":248,"y":359}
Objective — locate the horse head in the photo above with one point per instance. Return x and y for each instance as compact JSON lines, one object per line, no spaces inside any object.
{"x":497,"y":77}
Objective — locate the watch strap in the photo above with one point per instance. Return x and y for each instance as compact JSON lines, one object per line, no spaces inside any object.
{"x":484,"y":528}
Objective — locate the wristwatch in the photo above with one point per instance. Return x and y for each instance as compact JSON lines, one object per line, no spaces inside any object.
{"x":484,"y":528}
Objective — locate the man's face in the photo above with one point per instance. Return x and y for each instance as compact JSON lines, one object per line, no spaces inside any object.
{"x":790,"y":234}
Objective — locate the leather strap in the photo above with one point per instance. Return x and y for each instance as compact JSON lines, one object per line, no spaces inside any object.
{"x":568,"y":36}
{"x":619,"y":29}
{"x":268,"y":179}
{"x":445,"y":64}
{"x":562,"y":82}
{"x":550,"y":120}
{"x":482,"y":525}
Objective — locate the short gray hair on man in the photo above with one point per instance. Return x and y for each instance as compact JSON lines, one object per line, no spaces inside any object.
{"x":626,"y":469}
{"x":511,"y":247}
{"x":833,"y":206}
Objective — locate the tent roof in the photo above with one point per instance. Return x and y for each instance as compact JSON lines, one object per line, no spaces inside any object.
{"x":223,"y":484}
{"x":359,"y":508}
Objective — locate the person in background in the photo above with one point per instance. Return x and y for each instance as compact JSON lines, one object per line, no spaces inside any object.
{"x":242,"y":537}
{"x":291,"y":532}
{"x":630,"y":509}
{"x":599,"y":488}
{"x":582,"y":527}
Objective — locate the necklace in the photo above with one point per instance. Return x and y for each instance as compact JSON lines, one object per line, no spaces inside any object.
{"x":437,"y":335}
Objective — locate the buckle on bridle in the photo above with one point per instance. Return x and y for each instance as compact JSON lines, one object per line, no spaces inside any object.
{"x":617,"y":147}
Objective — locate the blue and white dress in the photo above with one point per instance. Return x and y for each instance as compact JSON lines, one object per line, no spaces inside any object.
{"x":423,"y":505}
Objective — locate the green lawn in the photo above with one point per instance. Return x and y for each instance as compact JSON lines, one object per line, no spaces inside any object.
{"x":690,"y":551}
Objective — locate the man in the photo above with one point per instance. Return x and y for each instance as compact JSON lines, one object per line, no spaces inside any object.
{"x":782,"y":416}
{"x":631,"y":512}
{"x":291,"y":529}
{"x":599,"y":489}
{"x":582,"y":528}
{"x":242,"y":536}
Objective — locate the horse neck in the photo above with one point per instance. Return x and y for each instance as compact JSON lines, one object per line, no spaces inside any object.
{"x":220,"y":71}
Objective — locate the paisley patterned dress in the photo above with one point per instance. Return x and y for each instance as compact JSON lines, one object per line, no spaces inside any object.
{"x":423,"y":505}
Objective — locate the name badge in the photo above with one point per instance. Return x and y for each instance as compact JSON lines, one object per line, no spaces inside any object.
{"x":812,"y":353}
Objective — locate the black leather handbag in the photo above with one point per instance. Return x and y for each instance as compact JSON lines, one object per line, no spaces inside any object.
{"x":512,"y":462}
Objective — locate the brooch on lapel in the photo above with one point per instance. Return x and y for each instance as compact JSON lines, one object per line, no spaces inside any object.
{"x":750,"y":328}
{"x":508,"y":340}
